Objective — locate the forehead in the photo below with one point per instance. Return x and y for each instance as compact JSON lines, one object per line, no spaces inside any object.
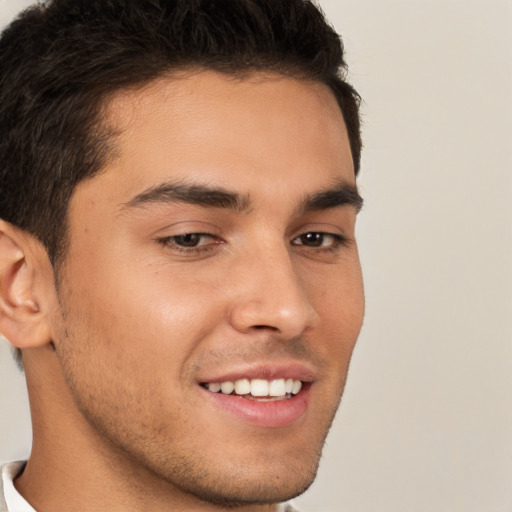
{"x":231,"y":132}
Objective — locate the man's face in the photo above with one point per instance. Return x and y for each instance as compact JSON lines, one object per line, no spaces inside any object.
{"x":216,"y":248}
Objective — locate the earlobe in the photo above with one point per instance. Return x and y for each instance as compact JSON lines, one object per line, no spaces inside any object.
{"x":22,"y":315}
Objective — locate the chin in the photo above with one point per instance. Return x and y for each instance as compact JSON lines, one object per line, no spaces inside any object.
{"x":250,"y":485}
{"x":256,"y":492}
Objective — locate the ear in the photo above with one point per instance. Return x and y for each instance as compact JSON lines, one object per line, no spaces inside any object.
{"x":25,"y":272}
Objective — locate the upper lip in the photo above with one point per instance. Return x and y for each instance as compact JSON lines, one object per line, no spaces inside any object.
{"x":267,"y":371}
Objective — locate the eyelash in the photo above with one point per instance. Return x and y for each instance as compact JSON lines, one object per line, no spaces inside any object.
{"x":338,"y":241}
{"x":170,"y":241}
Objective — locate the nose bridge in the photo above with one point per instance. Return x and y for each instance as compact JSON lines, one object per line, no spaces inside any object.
{"x":272,"y":294}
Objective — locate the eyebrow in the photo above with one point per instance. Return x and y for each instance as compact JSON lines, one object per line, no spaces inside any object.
{"x":201,"y":195}
{"x":341,"y":194}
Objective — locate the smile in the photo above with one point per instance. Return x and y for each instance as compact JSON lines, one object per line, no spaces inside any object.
{"x":257,"y":389}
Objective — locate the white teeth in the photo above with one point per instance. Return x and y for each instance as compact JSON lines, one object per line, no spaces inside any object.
{"x":257,"y":387}
{"x":277,"y":388}
{"x":227,"y":387}
{"x":242,"y":387}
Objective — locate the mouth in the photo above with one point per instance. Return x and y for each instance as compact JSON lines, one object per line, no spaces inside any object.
{"x":260,"y":390}
{"x":261,"y":396}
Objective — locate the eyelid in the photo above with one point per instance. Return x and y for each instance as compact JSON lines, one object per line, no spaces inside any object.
{"x":186,"y":227}
{"x":334,"y":226}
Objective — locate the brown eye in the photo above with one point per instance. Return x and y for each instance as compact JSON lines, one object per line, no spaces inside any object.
{"x":312,"y":239}
{"x":317,"y":239}
{"x":188,"y":240}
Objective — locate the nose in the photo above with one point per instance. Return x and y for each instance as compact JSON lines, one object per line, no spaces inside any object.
{"x":271,"y":296}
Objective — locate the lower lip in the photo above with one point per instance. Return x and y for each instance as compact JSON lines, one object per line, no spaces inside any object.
{"x":279,"y":413}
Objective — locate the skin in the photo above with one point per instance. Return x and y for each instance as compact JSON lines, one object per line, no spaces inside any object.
{"x":117,"y":351}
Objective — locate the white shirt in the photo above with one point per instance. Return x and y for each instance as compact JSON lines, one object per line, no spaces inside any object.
{"x":14,"y":500}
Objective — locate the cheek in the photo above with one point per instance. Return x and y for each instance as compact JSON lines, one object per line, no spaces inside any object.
{"x":125,"y":343}
{"x":136,"y":316}
{"x":340,"y":305}
{"x":338,"y":298}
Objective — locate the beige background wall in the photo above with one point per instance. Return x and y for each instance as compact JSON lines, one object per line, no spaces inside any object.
{"x":426,"y":422}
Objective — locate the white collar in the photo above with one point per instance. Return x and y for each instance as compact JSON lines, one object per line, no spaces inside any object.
{"x":14,"y":500}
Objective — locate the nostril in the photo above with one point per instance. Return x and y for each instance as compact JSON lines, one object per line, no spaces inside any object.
{"x":269,"y":327}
